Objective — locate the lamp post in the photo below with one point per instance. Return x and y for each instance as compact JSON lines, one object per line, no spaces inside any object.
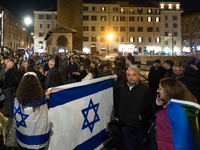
{"x":27,"y":21}
{"x":109,"y":38}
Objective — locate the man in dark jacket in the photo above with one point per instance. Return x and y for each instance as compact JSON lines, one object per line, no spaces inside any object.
{"x":53,"y":77}
{"x":136,"y":107}
{"x":168,"y":65}
{"x":196,"y":62}
{"x":72,"y":67}
{"x":155,"y":74}
{"x":11,"y":82}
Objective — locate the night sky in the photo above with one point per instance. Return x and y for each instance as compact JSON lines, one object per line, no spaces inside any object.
{"x":23,"y":8}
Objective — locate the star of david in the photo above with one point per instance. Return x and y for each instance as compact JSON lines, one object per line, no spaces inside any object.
{"x":86,"y":123}
{"x":23,"y":117}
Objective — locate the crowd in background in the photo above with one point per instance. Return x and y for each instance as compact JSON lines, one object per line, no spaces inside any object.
{"x":134,"y":102}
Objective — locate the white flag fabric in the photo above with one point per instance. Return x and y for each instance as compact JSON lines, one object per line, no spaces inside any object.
{"x":80,"y":113}
{"x":32,"y":127}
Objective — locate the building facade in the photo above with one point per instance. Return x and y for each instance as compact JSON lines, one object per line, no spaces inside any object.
{"x":13,"y":33}
{"x":151,"y":28}
{"x":190,"y":25}
{"x":43,"y":22}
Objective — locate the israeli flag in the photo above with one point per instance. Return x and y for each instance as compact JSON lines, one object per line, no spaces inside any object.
{"x":27,"y":55}
{"x":32,"y":127}
{"x":80,"y":113}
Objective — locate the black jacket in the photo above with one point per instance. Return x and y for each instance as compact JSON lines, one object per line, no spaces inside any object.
{"x":193,"y":85}
{"x":139,"y":101}
{"x":12,"y":78}
{"x":169,"y":73}
{"x":197,"y":65}
{"x":155,"y":76}
{"x":82,"y":75}
{"x":53,"y":78}
{"x":41,"y":77}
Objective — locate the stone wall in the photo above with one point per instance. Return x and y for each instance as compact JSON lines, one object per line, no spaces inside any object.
{"x":70,"y":15}
{"x":178,"y":60}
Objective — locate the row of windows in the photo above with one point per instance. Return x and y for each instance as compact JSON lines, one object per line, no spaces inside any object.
{"x":122,"y":29}
{"x":175,"y":25}
{"x":122,"y":18}
{"x":166,"y":42}
{"x":122,"y":10}
{"x":173,"y":17}
{"x":131,"y":39}
{"x":48,"y":17}
{"x":174,"y":33}
{"x":85,"y":8}
{"x":48,"y":26}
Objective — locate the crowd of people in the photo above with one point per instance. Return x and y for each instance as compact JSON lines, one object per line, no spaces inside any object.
{"x":25,"y":80}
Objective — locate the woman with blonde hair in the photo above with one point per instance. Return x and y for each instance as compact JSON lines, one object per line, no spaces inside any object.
{"x":177,"y":123}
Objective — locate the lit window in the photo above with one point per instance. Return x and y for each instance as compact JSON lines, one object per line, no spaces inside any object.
{"x":149,"y":11}
{"x":170,"y":6}
{"x":149,"y":19}
{"x":103,"y":8}
{"x":177,"y":6}
{"x":157,"y":19}
{"x":140,"y":39}
{"x":131,"y":39}
{"x":115,"y":18}
{"x":161,"y":5}
{"x":157,"y":40}
{"x":131,"y":11}
{"x":122,"y":10}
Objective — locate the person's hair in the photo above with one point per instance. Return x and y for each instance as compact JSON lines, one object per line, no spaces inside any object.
{"x":104,"y":65}
{"x":52,"y":62}
{"x":120,"y":73}
{"x":30,"y":68}
{"x":29,"y":91}
{"x":71,"y":57}
{"x":157,"y":61}
{"x":81,"y":65}
{"x":169,"y":62}
{"x":39,"y":66}
{"x":177,"y":90}
{"x":94,"y":62}
{"x":98,"y":59}
{"x":131,"y":58}
{"x":91,"y":70}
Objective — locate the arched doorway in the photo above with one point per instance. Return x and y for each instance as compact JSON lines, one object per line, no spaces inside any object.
{"x":62,"y":44}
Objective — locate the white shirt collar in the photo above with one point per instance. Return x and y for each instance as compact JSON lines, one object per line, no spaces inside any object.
{"x":131,"y":87}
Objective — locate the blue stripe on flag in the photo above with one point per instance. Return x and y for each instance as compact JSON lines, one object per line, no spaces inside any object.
{"x":33,"y":140}
{"x":94,"y":141}
{"x":39,"y":103}
{"x":180,"y":126}
{"x":78,"y":92}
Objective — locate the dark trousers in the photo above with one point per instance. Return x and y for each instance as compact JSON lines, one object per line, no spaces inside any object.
{"x":9,"y":99}
{"x":133,"y":138}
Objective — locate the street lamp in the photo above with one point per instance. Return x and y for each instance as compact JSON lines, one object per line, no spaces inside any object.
{"x":109,"y":38}
{"x":27,"y":21}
